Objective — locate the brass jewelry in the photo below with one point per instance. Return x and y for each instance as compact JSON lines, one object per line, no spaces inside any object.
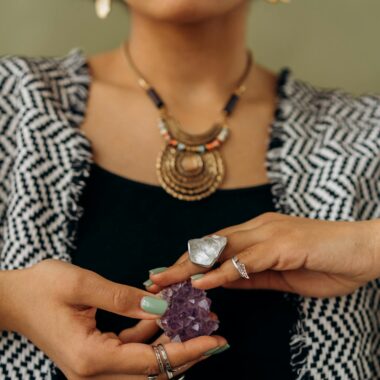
{"x":190,"y":166}
{"x":102,"y":8}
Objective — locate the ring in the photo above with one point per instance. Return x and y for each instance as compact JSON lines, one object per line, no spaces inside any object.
{"x":152,"y":377}
{"x":206,"y":251}
{"x":159,"y":361}
{"x":164,"y":356}
{"x":240,"y":267}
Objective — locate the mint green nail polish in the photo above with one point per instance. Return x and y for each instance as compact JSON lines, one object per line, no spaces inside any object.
{"x":197,"y":276}
{"x":212,"y":351}
{"x":148,"y":283}
{"x":158,"y":270}
{"x":222,"y":349}
{"x":153,"y":305}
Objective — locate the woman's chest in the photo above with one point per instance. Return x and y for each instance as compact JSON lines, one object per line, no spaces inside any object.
{"x":128,"y":227}
{"x":123,"y":129}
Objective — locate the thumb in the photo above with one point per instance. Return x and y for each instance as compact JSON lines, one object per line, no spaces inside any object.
{"x":94,"y":290}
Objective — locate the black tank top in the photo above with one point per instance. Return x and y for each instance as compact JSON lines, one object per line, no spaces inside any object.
{"x":129,"y":227}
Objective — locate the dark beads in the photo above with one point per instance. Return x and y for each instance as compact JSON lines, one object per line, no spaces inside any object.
{"x":155,"y":97}
{"x":229,"y":107}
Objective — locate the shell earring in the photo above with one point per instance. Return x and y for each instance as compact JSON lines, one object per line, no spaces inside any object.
{"x":102,"y":8}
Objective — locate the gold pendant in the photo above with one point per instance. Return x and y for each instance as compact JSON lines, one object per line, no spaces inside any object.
{"x":189,"y":176}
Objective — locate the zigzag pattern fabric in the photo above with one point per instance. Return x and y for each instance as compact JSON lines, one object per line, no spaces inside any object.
{"x":323,"y":161}
{"x":43,"y":165}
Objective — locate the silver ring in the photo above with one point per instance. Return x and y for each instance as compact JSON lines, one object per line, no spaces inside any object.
{"x":164,"y":356}
{"x":240,"y":267}
{"x":206,"y":251}
{"x":159,"y":360}
{"x":152,"y":377}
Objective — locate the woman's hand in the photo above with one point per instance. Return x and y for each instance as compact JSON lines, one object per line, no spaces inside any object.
{"x":305,"y":256}
{"x":54,"y":304}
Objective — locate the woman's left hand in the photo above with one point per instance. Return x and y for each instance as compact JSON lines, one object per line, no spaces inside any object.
{"x":293,"y":254}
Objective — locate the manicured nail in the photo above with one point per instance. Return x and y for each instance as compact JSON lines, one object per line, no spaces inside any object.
{"x":158,"y":270}
{"x":222,"y":349}
{"x":212,"y":351}
{"x":197,"y":276}
{"x":148,"y":283}
{"x":153,"y":305}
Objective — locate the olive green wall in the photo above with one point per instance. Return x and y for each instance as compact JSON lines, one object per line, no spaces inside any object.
{"x":331,"y":43}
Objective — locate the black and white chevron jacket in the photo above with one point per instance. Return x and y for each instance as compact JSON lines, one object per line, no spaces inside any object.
{"x":323,"y":160}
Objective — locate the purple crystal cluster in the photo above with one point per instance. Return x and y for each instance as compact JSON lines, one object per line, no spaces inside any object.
{"x":188,"y":314}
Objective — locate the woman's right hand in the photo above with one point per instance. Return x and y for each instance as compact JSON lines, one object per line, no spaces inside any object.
{"x":54,"y":303}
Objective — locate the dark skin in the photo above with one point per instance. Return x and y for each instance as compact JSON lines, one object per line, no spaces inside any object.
{"x":207,"y":49}
{"x":128,"y":142}
{"x":193,"y":52}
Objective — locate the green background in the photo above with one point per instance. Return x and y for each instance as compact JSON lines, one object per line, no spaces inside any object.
{"x":331,"y":43}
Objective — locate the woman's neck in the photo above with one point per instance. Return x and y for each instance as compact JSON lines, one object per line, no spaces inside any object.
{"x":195,"y":60}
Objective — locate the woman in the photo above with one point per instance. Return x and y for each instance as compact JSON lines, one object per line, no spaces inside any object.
{"x":80,"y":184}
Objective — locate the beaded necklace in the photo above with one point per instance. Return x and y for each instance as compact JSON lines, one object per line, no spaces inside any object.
{"x":190,"y":166}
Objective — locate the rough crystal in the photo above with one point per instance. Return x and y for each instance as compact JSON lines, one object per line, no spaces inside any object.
{"x":188,"y":314}
{"x":206,"y":251}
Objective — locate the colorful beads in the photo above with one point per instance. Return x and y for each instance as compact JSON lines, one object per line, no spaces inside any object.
{"x":216,"y":143}
{"x":223,"y":134}
{"x":213,"y":144}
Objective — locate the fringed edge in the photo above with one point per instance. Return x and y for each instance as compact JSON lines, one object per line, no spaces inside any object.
{"x":78,"y":71}
{"x":299,"y":348}
{"x":276,"y":141}
{"x":299,"y":345}
{"x":81,"y":171}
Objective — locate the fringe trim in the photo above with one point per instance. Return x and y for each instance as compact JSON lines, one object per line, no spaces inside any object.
{"x":78,"y":71}
{"x":298,"y":343}
{"x":276,"y":140}
{"x":299,"y":347}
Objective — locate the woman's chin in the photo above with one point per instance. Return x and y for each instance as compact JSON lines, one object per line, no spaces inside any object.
{"x":184,"y":11}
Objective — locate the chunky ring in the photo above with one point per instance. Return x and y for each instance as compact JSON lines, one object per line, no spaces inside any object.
{"x":240,"y":267}
{"x":152,"y":377}
{"x":164,"y":356}
{"x":159,"y":360}
{"x":207,"y":250}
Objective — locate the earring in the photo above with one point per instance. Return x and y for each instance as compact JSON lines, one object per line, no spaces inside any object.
{"x":102,"y":8}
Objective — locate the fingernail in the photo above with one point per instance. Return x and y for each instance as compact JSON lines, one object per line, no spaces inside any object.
{"x":222,"y":349}
{"x":212,"y":351}
{"x":153,"y":305}
{"x":148,"y":283}
{"x":158,"y":270}
{"x":197,"y":276}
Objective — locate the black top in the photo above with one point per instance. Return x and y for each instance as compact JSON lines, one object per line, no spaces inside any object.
{"x":129,"y":227}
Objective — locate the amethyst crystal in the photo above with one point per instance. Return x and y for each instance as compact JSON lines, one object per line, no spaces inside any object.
{"x":188,"y":314}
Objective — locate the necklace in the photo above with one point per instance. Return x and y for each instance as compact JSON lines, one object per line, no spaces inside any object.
{"x":190,"y":166}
